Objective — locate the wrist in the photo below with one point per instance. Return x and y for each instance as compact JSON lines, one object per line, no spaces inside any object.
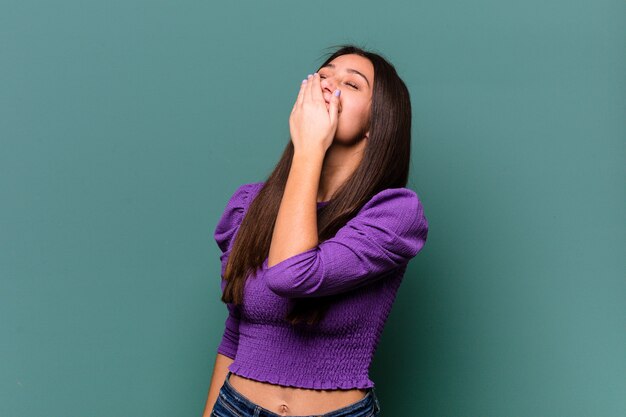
{"x":311,"y":154}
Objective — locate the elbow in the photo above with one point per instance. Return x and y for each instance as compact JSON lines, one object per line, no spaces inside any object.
{"x":418,"y":238}
{"x":297,"y":276}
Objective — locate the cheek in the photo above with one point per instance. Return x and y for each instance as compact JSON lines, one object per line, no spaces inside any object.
{"x":356,"y":109}
{"x":361,"y":114}
{"x":353,"y":119}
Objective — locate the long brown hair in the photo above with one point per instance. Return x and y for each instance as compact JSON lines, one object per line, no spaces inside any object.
{"x":385,"y":164}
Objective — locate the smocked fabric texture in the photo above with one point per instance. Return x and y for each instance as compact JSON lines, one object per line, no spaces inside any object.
{"x":364,"y":262}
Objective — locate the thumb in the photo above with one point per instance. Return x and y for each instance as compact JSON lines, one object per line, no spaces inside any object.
{"x":333,"y":109}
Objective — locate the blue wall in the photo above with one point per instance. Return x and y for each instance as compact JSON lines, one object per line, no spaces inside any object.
{"x":126,"y":125}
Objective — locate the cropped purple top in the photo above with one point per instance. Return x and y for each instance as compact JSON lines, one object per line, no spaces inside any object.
{"x":365,"y":262}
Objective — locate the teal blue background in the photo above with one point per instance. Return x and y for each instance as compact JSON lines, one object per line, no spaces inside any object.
{"x":126,"y":125}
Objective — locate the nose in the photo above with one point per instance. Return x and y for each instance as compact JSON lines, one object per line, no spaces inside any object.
{"x":328,"y":84}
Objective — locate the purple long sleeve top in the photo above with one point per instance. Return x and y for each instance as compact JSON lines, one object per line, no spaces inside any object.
{"x":364,"y":262}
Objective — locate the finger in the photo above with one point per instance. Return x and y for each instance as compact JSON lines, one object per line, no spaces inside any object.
{"x":300,"y":98}
{"x":307,"y":89}
{"x":333,"y":109}
{"x":316,"y":87}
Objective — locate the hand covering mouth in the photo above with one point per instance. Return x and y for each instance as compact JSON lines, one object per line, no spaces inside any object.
{"x":327,"y":101}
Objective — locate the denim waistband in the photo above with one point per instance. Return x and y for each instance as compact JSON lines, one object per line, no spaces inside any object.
{"x":239,"y":405}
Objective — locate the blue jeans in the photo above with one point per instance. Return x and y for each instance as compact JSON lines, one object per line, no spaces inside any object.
{"x":230,"y":403}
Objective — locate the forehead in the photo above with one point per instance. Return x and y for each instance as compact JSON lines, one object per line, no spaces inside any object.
{"x":356,"y":62}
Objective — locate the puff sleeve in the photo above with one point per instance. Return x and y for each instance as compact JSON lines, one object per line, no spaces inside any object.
{"x":386,"y":233}
{"x":224,"y":234}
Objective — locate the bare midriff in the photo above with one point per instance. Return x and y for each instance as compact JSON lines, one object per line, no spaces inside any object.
{"x":293,"y":401}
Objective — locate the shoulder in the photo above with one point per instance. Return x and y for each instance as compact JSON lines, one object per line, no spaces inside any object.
{"x":243,"y":196}
{"x":394,"y":199}
{"x":233,"y":213}
{"x":396,"y":209}
{"x":245,"y":193}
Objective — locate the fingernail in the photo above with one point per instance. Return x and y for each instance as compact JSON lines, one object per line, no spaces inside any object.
{"x":304,"y":81}
{"x":309,"y":76}
{"x":337,"y":93}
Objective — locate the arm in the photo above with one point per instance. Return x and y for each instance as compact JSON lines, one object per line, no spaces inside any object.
{"x":312,"y":129}
{"x":220,"y":370}
{"x":295,"y":229}
{"x":386,"y":233}
{"x":224,"y":234}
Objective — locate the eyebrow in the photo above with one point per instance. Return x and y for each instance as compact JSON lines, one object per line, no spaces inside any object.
{"x":352,"y":71}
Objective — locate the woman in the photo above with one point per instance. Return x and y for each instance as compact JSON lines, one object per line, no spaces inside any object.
{"x":312,"y":258}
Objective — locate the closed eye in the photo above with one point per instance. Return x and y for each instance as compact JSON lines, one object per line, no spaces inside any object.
{"x":349,"y":83}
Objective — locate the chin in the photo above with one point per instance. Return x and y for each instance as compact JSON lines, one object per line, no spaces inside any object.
{"x":349,"y":141}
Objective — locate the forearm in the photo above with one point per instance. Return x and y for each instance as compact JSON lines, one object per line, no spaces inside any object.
{"x":220,"y":370}
{"x":295,"y":230}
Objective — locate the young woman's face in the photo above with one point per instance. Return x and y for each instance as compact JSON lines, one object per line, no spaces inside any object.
{"x":354,"y":76}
